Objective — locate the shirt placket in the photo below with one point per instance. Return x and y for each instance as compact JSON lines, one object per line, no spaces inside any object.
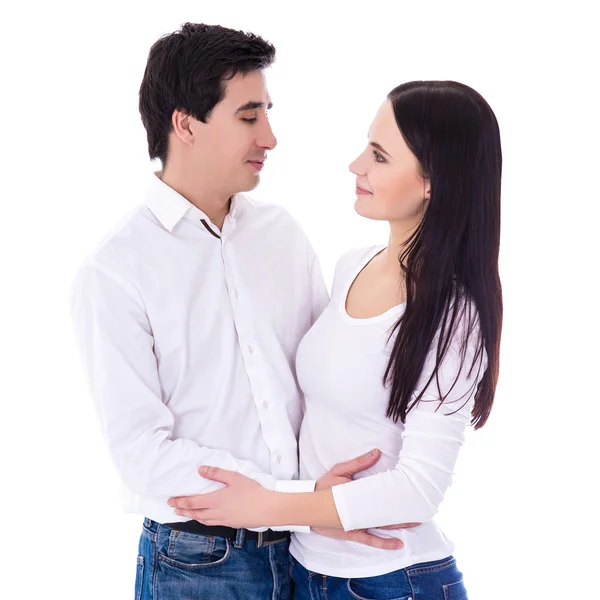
{"x":252,"y":355}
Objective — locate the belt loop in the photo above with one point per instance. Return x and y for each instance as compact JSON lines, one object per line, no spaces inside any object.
{"x":259,"y":543}
{"x":151,"y":525}
{"x":239,"y":538}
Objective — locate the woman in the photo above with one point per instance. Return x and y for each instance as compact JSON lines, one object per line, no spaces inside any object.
{"x":403,"y":357}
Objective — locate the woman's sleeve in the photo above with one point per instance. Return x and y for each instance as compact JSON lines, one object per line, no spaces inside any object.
{"x":413,"y":490}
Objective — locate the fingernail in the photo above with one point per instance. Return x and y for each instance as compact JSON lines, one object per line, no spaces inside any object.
{"x":171,"y":503}
{"x":373,"y":453}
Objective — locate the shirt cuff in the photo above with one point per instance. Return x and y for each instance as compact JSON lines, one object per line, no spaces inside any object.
{"x":294,"y":487}
{"x":342,"y":508}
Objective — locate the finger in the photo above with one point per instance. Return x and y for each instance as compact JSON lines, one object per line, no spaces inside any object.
{"x":363,"y":537}
{"x":206,"y":517}
{"x":192,"y":502}
{"x":360,"y":463}
{"x":202,"y":516}
{"x":401,"y":526}
{"x":216,"y":474}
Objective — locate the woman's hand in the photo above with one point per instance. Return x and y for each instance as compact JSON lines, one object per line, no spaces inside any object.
{"x":362,"y":536}
{"x":243,"y":503}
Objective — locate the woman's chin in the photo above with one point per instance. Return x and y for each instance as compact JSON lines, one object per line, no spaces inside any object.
{"x":366,"y":210}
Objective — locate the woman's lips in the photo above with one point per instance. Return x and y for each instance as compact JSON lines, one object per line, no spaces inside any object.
{"x":362,"y":192}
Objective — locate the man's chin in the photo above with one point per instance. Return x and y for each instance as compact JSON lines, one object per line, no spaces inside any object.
{"x":250,"y":184}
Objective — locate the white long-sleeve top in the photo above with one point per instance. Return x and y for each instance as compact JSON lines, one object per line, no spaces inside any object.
{"x":340,"y":365}
{"x":188,"y":337}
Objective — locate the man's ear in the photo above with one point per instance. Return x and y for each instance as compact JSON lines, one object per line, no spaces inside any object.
{"x":182,"y":126}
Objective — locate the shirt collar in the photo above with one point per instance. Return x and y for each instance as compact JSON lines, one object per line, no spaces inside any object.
{"x":240,"y":203}
{"x":169,"y":206}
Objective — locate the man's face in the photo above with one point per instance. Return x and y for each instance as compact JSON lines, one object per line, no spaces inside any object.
{"x":231,"y":147}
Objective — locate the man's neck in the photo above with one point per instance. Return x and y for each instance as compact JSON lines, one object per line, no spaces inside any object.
{"x":212,"y":204}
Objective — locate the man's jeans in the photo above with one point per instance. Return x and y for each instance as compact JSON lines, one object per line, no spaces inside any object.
{"x":174,"y":565}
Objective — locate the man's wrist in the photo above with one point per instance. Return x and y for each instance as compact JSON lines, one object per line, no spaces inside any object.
{"x":275,"y":508}
{"x":308,"y":509}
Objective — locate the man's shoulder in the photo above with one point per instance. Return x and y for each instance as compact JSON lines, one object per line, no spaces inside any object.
{"x":262,"y":208}
{"x":273,"y":217}
{"x":121,"y":242}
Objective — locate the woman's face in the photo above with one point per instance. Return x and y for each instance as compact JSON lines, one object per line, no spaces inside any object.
{"x":388,"y":182}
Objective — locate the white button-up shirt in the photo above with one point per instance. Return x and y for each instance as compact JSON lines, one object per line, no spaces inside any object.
{"x":188,"y":336}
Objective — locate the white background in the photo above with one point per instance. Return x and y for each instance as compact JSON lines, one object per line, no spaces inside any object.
{"x":522,"y":511}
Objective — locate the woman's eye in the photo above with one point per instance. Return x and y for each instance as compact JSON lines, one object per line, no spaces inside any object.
{"x":378,"y":156}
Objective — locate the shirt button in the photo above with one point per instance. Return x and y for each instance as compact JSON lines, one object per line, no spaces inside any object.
{"x":236,"y":294}
{"x":265,"y":405}
{"x":279,"y":458}
{"x":251,"y":349}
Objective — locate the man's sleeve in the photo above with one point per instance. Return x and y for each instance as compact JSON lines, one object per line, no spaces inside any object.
{"x":116,"y":344}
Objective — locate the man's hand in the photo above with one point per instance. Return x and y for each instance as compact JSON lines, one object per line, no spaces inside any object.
{"x":242,"y":503}
{"x":343,"y":473}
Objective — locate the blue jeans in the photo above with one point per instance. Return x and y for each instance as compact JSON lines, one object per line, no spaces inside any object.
{"x":436,"y":580}
{"x":176,"y":565}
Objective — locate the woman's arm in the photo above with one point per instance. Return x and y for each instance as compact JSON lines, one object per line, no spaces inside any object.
{"x":410,"y":492}
{"x":213,"y":507}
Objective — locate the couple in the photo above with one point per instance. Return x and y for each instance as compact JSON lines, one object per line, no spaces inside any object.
{"x":235,"y":395}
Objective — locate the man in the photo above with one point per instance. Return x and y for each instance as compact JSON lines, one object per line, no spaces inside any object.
{"x":188,"y":317}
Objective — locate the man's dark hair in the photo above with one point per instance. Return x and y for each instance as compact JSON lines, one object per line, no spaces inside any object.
{"x":187,"y":70}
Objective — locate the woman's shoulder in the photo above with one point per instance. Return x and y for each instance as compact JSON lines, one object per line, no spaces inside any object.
{"x":357,"y":254}
{"x":350,"y":262}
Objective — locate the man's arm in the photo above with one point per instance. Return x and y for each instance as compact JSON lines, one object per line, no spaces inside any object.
{"x":117,"y":347}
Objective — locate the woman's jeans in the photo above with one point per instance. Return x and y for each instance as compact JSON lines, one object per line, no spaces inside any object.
{"x":437,"y":580}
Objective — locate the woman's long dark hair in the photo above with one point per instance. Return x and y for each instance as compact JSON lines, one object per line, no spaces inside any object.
{"x":450,"y":262}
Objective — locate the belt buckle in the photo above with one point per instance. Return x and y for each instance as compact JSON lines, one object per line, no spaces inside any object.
{"x":270,"y":537}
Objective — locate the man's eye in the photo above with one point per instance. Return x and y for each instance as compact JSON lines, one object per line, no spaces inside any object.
{"x":252,"y":120}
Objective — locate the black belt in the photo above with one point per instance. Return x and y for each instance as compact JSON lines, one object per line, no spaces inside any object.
{"x":229,"y":532}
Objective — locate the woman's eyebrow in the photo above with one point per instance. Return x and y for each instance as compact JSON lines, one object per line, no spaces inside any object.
{"x":376,"y":145}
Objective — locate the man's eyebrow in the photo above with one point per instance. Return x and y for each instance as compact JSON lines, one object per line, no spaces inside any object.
{"x":376,"y":145}
{"x":253,"y":106}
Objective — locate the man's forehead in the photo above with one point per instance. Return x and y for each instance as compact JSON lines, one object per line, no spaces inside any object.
{"x":241,"y":89}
